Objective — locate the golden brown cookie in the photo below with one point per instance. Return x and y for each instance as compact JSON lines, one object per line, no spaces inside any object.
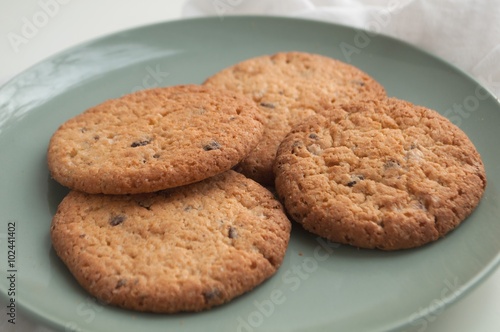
{"x":289,"y":87}
{"x":154,"y":139}
{"x":184,"y":249}
{"x":382,"y":174}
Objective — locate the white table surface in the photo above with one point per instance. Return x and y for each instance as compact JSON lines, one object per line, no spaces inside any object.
{"x":76,"y":21}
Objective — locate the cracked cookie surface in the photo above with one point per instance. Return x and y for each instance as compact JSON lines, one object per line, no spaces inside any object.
{"x":289,"y":87}
{"x":382,"y":174}
{"x":182,"y":249}
{"x":154,"y":139}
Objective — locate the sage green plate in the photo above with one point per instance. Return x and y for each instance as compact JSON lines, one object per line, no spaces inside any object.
{"x":320,"y":286}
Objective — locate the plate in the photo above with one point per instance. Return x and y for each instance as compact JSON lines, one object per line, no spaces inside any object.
{"x":321,"y":285}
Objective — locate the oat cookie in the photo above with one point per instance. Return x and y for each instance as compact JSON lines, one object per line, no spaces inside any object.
{"x":383,"y":174}
{"x":182,"y":249}
{"x":288,"y":87}
{"x":154,"y":139}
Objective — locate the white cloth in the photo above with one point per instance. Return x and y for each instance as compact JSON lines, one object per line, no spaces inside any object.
{"x":465,"y":33}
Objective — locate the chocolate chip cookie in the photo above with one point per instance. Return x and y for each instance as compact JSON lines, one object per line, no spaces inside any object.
{"x":288,"y":87}
{"x":383,"y":174}
{"x":183,"y":249}
{"x":154,"y":139}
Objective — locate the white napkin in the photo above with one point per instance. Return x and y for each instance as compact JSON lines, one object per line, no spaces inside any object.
{"x":465,"y":33}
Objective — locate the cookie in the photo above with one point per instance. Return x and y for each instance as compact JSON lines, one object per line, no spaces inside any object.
{"x":154,"y":139}
{"x":382,"y":174}
{"x":289,"y":87}
{"x":182,"y":249}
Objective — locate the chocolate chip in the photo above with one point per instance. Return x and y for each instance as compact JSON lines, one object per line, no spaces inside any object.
{"x":117,"y":220}
{"x":355,"y":179}
{"x":156,"y":155}
{"x":391,"y":164}
{"x":232,"y":233}
{"x":211,"y":295}
{"x":140,"y":143}
{"x":146,"y":205}
{"x":213,"y":145}
{"x":268,"y":105}
{"x":313,"y":136}
{"x":96,"y":137}
{"x":121,"y":283}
